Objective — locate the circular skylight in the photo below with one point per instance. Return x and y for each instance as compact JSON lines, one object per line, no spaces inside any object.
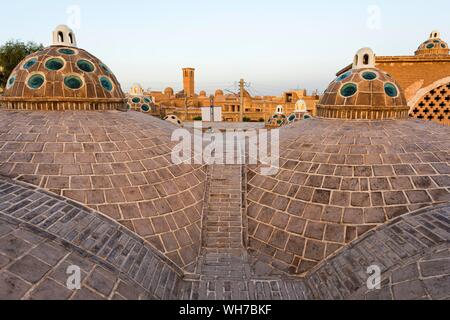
{"x":344,"y":76}
{"x":35,"y":81}
{"x":369,"y":75}
{"x":27,"y":65}
{"x":85,"y":66}
{"x":391,"y":90}
{"x":54,"y":64}
{"x":73,"y":82}
{"x":106,"y":84}
{"x":349,"y":90}
{"x":67,"y":51}
{"x":11,"y":81}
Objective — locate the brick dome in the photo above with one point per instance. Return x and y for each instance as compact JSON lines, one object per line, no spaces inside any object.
{"x":139,"y":102}
{"x":433,"y":46}
{"x":63,"y":77}
{"x":364,"y":92}
{"x":339,"y":179}
{"x":118,"y":163}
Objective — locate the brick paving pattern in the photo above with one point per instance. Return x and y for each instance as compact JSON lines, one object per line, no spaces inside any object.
{"x":223,"y":253}
{"x":413,"y":253}
{"x":41,"y":235}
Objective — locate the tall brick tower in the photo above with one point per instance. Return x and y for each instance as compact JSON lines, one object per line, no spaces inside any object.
{"x":189,"y":81}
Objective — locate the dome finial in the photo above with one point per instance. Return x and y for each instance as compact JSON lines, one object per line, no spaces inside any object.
{"x":64,"y":36}
{"x":136,"y":89}
{"x":364,"y":58}
{"x":435,"y":34}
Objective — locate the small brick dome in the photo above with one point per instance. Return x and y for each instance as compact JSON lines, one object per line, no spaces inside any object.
{"x":433,"y":46}
{"x":168,"y":92}
{"x":364,"y":92}
{"x":63,"y":77}
{"x":138,"y":101}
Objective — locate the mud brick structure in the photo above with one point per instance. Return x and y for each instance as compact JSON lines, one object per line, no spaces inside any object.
{"x":361,"y":185}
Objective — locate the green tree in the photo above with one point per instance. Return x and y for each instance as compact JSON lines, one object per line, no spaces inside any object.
{"x":11,"y":53}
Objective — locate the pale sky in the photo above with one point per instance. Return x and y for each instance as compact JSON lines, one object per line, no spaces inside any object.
{"x":275,"y":45}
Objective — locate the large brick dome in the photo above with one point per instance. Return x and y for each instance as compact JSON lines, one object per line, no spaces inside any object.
{"x":118,"y":163}
{"x":63,"y":77}
{"x":359,"y":165}
{"x":364,"y":92}
{"x":339,"y":179}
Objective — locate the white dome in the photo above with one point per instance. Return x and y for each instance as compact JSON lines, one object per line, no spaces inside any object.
{"x":279,"y":110}
{"x":173,"y":119}
{"x":300,"y":106}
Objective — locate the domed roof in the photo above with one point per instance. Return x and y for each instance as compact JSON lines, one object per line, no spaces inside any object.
{"x":168,"y":91}
{"x":142,"y":103}
{"x":339,"y":179}
{"x":174,"y":120}
{"x":364,"y":92}
{"x":218,"y":93}
{"x":202,"y":93}
{"x":119,"y":163}
{"x":63,"y":77}
{"x":433,"y":46}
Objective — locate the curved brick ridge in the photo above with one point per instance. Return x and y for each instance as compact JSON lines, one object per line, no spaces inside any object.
{"x":116,"y":163}
{"x":413,"y":252}
{"x":339,"y":179}
{"x":42,"y":234}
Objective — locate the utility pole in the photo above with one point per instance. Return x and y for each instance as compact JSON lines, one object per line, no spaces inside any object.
{"x":211,"y":108}
{"x":186,"y":109}
{"x":241,"y":109}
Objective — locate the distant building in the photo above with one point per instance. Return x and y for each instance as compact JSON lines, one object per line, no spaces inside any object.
{"x":187,"y":105}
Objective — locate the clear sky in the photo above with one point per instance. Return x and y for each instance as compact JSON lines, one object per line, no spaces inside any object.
{"x":274,"y":44}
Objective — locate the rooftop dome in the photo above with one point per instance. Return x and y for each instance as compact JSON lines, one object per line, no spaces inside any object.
{"x":63,"y":77}
{"x":142,"y":103}
{"x":339,"y":179}
{"x":433,"y":46}
{"x":168,"y":91}
{"x":138,"y":101}
{"x":364,"y":92}
{"x":202,"y":93}
{"x":218,"y":93}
